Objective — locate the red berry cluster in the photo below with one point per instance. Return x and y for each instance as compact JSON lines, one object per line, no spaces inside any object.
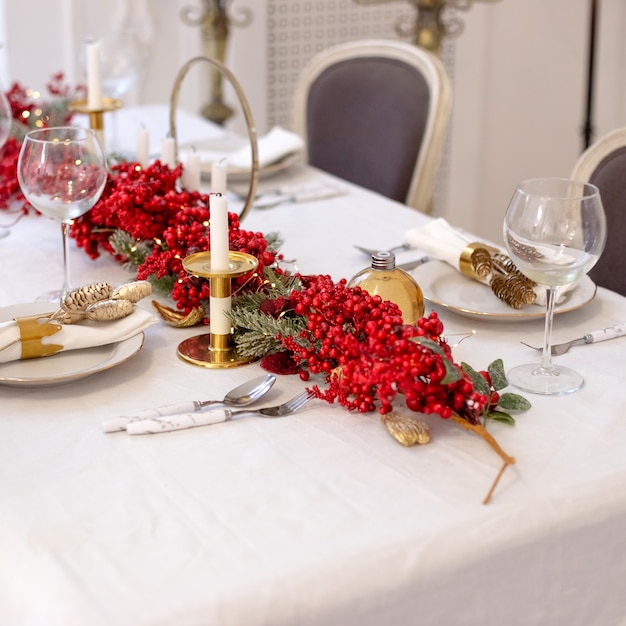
{"x":148,"y":204}
{"x":31,"y":112}
{"x":369,"y":356}
{"x":141,"y":201}
{"x":9,"y":185}
{"x":189,"y":232}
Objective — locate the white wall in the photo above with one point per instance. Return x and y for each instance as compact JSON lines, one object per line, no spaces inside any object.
{"x":519,"y":80}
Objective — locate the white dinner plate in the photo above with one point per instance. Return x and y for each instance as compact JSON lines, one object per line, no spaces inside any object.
{"x":221,"y":148}
{"x":444,"y":286}
{"x":64,"y":367}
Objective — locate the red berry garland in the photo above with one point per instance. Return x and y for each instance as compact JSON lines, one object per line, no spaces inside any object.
{"x":147,"y":204}
{"x":358,"y":341}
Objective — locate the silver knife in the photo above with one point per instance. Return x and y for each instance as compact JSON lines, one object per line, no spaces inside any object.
{"x":411,"y":265}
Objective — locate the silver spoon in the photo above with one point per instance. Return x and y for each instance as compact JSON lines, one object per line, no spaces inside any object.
{"x":243,"y":395}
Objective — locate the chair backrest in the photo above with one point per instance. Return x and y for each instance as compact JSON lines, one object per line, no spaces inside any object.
{"x":604,"y":165}
{"x":375,"y":112}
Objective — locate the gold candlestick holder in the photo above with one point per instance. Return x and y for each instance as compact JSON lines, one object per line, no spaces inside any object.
{"x":216,"y":350}
{"x":96,"y":116}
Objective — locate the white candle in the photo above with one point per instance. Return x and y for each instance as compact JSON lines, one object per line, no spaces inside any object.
{"x":143,"y":146}
{"x":168,"y":152}
{"x":218,"y":177}
{"x":94,"y":78}
{"x":218,"y":206}
{"x":192,"y":172}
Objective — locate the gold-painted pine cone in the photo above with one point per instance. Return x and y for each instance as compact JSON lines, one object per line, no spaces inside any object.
{"x":79,"y":299}
{"x":481,"y":262}
{"x":406,"y":430}
{"x":133,"y":292}
{"x":108,"y":310}
{"x":176,"y":318}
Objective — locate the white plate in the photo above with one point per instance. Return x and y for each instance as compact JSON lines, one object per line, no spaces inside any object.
{"x":64,"y":367}
{"x":221,"y":148}
{"x":444,"y":286}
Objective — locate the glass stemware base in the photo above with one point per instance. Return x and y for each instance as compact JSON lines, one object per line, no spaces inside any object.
{"x":555,"y":380}
{"x":50,"y":296}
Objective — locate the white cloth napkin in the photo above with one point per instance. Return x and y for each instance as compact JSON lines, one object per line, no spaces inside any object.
{"x":273,"y":147}
{"x":439,"y":240}
{"x":84,"y":334}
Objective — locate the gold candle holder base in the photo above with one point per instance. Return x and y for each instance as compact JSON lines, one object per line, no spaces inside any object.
{"x":215,"y":350}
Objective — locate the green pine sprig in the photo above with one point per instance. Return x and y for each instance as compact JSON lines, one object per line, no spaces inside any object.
{"x":257,"y":332}
{"x":134,"y":252}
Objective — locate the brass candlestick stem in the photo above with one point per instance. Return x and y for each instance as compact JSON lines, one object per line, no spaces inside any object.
{"x":433,"y":21}
{"x":216,"y":350}
{"x":214,"y":21}
{"x":96,"y":116}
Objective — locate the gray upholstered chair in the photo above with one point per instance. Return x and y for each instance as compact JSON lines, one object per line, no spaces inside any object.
{"x":604,"y":165}
{"x":375,"y":113}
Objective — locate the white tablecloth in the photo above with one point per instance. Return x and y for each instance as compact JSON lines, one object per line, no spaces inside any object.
{"x":320,"y":518}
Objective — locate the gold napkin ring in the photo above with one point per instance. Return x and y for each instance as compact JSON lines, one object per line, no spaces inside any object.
{"x":475,"y":261}
{"x":32,"y":331}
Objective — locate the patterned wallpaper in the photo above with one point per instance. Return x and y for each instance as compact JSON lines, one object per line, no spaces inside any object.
{"x":298,"y":29}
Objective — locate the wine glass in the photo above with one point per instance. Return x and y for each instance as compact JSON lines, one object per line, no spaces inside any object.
{"x":62,"y":172}
{"x":6,"y":120}
{"x":554,"y":231}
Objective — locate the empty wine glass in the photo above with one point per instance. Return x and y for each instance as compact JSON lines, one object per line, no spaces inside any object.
{"x":554,"y":231}
{"x":62,"y":172}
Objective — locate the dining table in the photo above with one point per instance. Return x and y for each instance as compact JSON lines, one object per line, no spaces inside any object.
{"x":320,"y":518}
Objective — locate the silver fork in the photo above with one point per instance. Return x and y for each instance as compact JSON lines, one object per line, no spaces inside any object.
{"x":168,"y":423}
{"x":560,"y":348}
{"x":611,"y":332}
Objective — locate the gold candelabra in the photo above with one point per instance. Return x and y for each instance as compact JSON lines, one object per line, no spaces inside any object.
{"x":214,"y":20}
{"x":433,"y":22}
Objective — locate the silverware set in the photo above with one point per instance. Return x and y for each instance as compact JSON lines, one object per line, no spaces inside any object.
{"x":192,"y":414}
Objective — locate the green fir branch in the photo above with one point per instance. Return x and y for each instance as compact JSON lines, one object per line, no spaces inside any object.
{"x":257,"y":333}
{"x":134,"y":252}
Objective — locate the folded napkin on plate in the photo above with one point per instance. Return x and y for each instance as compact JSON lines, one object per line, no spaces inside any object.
{"x":85,"y":334}
{"x":441,"y":241}
{"x":273,"y":147}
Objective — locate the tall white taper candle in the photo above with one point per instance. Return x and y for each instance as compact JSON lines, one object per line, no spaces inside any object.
{"x":94,"y":77}
{"x":218,"y":205}
{"x":218,"y":177}
{"x":192,"y":172}
{"x":168,"y":152}
{"x":143,"y":146}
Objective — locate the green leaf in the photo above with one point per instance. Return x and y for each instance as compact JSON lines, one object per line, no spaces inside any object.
{"x":501,"y":416}
{"x":513,"y":402}
{"x":452,"y":373}
{"x":480,"y":384}
{"x":497,"y":375}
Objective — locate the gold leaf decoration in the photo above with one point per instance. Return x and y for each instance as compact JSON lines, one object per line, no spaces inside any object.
{"x":406,"y":430}
{"x":176,"y":318}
